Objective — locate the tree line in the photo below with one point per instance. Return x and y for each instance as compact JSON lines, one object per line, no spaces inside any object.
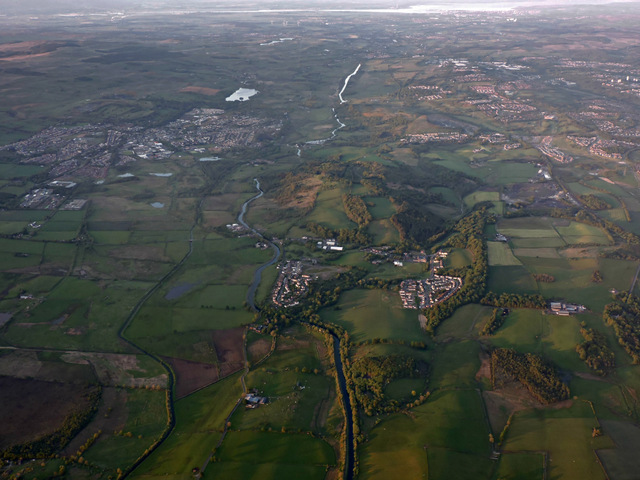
{"x":537,"y":375}
{"x":49,"y":445}
{"x":515,"y":300}
{"x":497,"y":318}
{"x":467,"y":234}
{"x":593,"y":202}
{"x":344,"y":235}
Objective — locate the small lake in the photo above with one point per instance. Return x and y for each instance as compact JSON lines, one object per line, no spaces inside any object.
{"x":241,"y":95}
{"x":157,"y":205}
{"x":179,"y":290}
{"x":4,"y":318}
{"x":273,"y":42}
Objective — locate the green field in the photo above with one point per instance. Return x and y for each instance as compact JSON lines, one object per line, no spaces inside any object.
{"x":198,"y":429}
{"x":272,"y":456}
{"x":329,"y":210}
{"x":566,"y":435}
{"x":369,"y":314}
{"x":500,"y":255}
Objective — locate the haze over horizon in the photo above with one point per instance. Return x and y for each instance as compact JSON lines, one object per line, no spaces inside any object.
{"x":28,"y":7}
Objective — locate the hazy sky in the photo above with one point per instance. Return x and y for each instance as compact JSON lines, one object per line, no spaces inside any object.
{"x":14,"y":7}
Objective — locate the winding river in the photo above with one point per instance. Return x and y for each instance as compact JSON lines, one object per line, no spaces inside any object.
{"x":257,"y":276}
{"x":342,"y":382}
{"x":335,"y":115}
{"x":346,"y":82}
{"x":350,"y":454}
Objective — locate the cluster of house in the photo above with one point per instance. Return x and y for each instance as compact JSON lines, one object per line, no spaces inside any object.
{"x":330,"y":244}
{"x":42,"y":198}
{"x":566,"y":309}
{"x":236,"y":228}
{"x":431,"y":88}
{"x":74,"y":153}
{"x":387,"y":254}
{"x":554,"y":153}
{"x":599,"y":147}
{"x":291,"y":285}
{"x":437,"y":261}
{"x":427,"y":293}
{"x":253,"y":400}
{"x":439,"y":137}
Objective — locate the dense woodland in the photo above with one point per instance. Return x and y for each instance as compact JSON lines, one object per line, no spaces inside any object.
{"x":370,"y":376}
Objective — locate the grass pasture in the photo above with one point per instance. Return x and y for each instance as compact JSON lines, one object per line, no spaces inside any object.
{"x":145,"y":419}
{"x":281,"y":456}
{"x":369,"y":314}
{"x":198,"y":428}
{"x":511,"y":279}
{"x":566,"y":435}
{"x":383,"y":232}
{"x":299,"y":401}
{"x":501,"y":255}
{"x":329,"y":210}
{"x":446,"y":437}
{"x":521,"y":466}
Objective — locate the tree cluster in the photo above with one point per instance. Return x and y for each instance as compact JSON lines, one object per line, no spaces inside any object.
{"x":515,"y":300}
{"x":370,"y":376}
{"x":538,"y":376}
{"x":624,"y":316}
{"x":356,"y":210}
{"x":344,"y":235}
{"x":544,"y":278}
{"x":595,"y":351}
{"x":596,"y":276}
{"x":495,"y":321}
{"x":593,"y":202}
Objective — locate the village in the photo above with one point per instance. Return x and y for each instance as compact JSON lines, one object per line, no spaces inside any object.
{"x":88,"y":152}
{"x":291,"y":284}
{"x":431,"y":291}
{"x":427,"y":293}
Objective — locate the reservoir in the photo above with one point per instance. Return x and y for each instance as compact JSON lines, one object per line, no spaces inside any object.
{"x":241,"y":95}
